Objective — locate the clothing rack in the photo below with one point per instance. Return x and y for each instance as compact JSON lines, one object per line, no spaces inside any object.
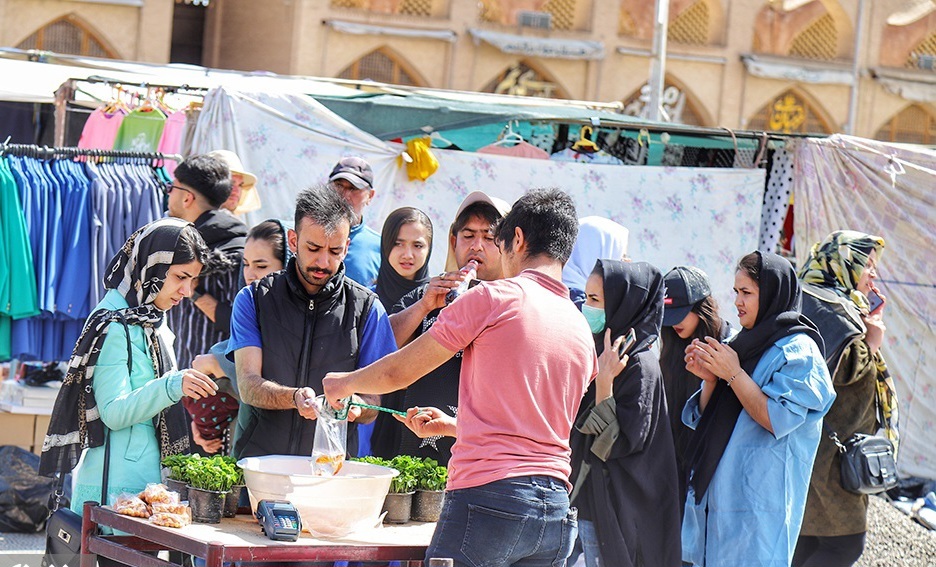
{"x":179,"y":89}
{"x":45,"y":152}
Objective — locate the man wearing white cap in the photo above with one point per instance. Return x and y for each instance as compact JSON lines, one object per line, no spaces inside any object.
{"x":471,"y":237}
{"x":353,"y":178}
{"x":244,"y":197}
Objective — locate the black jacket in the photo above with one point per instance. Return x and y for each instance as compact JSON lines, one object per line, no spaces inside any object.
{"x":304,"y":337}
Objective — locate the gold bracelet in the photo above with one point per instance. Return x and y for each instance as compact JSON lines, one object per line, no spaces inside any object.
{"x":730,"y":380}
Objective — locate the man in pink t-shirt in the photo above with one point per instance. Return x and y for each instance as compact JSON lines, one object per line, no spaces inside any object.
{"x":528,"y":358}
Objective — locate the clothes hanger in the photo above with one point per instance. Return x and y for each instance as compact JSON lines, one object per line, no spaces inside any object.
{"x":509,"y":137}
{"x":584,"y":143}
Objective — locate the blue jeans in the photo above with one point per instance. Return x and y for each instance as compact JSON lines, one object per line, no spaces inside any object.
{"x":587,"y":543}
{"x":523,"y":521}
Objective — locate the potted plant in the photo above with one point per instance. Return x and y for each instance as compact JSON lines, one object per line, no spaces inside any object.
{"x":210,"y":478}
{"x":232,"y":499}
{"x":399,"y":501}
{"x":177,"y":481}
{"x":430,"y":490}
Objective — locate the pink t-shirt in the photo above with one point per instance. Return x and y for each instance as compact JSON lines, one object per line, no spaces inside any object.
{"x":100,"y":130}
{"x":529,"y":356}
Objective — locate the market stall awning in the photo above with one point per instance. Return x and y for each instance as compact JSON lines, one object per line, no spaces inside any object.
{"x":389,"y":116}
{"x":917,"y":86}
{"x":540,"y":46}
{"x":356,"y":28}
{"x":799,"y":70}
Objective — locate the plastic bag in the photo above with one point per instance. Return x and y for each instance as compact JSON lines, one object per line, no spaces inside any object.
{"x":158,"y":493}
{"x":331,"y":440}
{"x":24,"y":495}
{"x":131,"y":505}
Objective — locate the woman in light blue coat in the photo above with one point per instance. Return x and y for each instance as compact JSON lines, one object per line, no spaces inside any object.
{"x":757,"y":422}
{"x":121,"y":383}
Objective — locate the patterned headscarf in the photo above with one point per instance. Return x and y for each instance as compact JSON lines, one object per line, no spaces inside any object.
{"x":137,"y":272}
{"x":838,"y":262}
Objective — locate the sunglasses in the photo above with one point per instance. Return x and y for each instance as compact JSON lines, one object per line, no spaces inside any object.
{"x":168,"y":187}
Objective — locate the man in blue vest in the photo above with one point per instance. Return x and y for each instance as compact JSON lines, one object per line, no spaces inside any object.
{"x":292,"y":327}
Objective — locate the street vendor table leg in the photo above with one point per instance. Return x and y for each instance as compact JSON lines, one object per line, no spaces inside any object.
{"x":215,"y":554}
{"x":88,"y":529}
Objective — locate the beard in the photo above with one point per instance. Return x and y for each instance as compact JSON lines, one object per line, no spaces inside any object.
{"x":314,"y":280}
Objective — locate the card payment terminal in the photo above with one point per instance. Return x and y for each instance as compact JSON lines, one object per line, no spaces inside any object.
{"x":279,"y":519}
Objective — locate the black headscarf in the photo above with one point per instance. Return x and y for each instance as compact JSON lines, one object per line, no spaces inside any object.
{"x":778,"y":316}
{"x":137,"y":272}
{"x":391,"y":286}
{"x":632,"y":280}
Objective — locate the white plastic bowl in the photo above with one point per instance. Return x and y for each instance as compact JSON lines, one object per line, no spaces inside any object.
{"x":328,"y":506}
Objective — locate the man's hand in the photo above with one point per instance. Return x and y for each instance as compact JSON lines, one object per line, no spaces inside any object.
{"x":337,"y":386}
{"x":207,"y":364}
{"x":438,"y":287}
{"x":305,"y":402}
{"x":428,"y":422}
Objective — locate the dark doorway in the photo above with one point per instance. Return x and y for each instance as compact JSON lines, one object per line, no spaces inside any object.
{"x":188,"y":32}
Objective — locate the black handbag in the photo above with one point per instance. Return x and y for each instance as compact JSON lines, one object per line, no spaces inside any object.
{"x":63,"y":528}
{"x":868,"y":464}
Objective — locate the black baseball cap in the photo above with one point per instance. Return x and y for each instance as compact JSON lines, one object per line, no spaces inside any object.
{"x":685,"y":287}
{"x":354,"y":169}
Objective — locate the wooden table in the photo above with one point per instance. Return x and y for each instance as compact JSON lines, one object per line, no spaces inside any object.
{"x":240,"y":539}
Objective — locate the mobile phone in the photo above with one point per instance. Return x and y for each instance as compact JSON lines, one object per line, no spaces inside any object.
{"x":627,"y":343}
{"x":875,"y":301}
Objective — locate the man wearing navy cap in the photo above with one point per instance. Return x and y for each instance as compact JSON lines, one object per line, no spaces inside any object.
{"x":353,"y":178}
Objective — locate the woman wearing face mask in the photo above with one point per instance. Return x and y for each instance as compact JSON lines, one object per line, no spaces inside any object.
{"x":623,"y":461}
{"x":757,"y":421}
{"x":405,"y":246}
{"x":837,"y":279}
{"x":689,"y":312}
{"x":122,"y":368}
{"x":265,"y":251}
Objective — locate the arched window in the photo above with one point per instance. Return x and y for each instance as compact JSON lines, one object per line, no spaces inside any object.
{"x":523,"y":80}
{"x":923,"y":56}
{"x":677,"y":103}
{"x":70,"y":35}
{"x":789,"y":113}
{"x":691,"y":26}
{"x":818,"y":41}
{"x":912,"y":125}
{"x":381,"y":66}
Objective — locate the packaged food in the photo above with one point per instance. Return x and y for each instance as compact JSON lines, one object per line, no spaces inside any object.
{"x":130,"y":505}
{"x":158,"y":493}
{"x":166,"y":508}
{"x":170,"y":520}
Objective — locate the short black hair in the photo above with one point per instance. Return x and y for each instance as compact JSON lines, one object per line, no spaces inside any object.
{"x":479,"y":209}
{"x":207,"y":175}
{"x":324,"y":207}
{"x":549,"y":223}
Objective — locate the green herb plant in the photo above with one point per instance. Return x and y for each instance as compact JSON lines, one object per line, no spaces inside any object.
{"x":431,"y":476}
{"x":212,"y":473}
{"x":176,"y":466}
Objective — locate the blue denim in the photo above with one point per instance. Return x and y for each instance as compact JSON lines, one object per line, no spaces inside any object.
{"x":586,"y":543}
{"x":523,"y":522}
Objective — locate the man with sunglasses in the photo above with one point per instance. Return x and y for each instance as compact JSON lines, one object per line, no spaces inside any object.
{"x":202,"y":184}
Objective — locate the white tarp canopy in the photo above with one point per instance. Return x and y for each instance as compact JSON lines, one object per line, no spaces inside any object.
{"x":291,"y":142}
{"x":884,"y":189}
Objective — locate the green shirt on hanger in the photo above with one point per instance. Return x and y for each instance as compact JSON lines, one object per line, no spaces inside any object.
{"x":18,"y":294}
{"x":141,"y":130}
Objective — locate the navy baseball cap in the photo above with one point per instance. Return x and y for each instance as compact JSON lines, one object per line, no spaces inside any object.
{"x":685,"y":287}
{"x":355,"y":170}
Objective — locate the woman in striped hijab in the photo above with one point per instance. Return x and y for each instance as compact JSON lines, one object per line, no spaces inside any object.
{"x":837,"y":280}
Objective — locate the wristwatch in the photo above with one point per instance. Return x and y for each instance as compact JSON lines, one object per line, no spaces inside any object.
{"x":195,"y":295}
